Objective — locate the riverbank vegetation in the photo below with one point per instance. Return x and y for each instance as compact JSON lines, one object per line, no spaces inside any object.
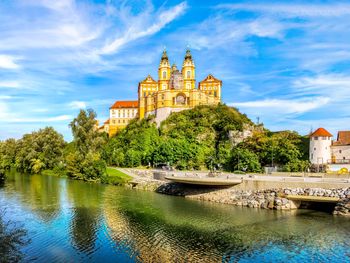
{"x":206,"y":137}
{"x":115,"y":177}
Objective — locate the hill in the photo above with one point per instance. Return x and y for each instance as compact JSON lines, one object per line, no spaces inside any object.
{"x":205,"y":137}
{"x":188,"y":139}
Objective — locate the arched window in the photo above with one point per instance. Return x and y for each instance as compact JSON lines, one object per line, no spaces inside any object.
{"x":164,"y":74}
{"x":188,"y":74}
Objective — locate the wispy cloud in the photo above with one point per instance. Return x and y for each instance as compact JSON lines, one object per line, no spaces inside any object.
{"x":9,"y":84}
{"x":64,"y":25}
{"x":336,"y":86}
{"x":8,"y":62}
{"x":41,"y":120}
{"x":222,"y":32}
{"x":77,"y":104}
{"x":282,"y":106}
{"x":142,"y":25}
{"x":293,"y":9}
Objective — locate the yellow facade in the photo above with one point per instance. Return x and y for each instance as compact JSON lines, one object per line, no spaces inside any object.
{"x":175,"y":90}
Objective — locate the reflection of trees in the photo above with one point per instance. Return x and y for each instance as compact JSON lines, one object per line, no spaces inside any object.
{"x":86,"y":200}
{"x":175,"y":230}
{"x":12,"y":238}
{"x":40,"y":193}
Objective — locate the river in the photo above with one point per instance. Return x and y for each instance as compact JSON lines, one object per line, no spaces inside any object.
{"x":74,"y":221}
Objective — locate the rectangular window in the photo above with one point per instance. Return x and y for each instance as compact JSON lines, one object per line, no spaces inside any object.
{"x":339,"y":151}
{"x":316,"y":138}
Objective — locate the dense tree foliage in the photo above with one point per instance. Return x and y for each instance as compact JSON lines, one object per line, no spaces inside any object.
{"x":134,"y":145}
{"x":200,"y":138}
{"x":39,"y":150}
{"x":191,"y":139}
{"x":34,"y":152}
{"x":277,"y":149}
{"x":83,"y":157}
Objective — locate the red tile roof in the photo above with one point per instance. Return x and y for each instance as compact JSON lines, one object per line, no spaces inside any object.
{"x":321,"y":132}
{"x":106,"y":122}
{"x":343,"y":138}
{"x":125,"y":104}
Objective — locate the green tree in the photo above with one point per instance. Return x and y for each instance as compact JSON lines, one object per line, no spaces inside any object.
{"x":244,"y":160}
{"x":8,"y":151}
{"x":39,"y":150}
{"x":83,"y":159}
{"x":277,"y":148}
{"x":134,"y":145}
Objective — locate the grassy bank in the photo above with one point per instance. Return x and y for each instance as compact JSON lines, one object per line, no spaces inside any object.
{"x":115,"y":177}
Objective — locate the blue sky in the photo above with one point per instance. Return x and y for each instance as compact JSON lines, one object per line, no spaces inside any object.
{"x":287,"y":62}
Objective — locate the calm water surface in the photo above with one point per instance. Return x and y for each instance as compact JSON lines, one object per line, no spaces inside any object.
{"x":73,"y":221}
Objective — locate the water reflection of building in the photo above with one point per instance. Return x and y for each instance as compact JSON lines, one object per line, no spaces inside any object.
{"x":175,"y":90}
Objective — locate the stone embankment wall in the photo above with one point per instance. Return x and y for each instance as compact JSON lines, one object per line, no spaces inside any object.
{"x":266,"y":199}
{"x":256,"y":194}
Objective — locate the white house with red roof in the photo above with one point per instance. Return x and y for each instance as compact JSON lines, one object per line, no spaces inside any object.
{"x":334,"y":154}
{"x":120,"y":114}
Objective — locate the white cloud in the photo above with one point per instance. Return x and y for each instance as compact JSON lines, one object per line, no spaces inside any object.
{"x":230,"y":34}
{"x":8,"y":62}
{"x":9,"y":115}
{"x":144,"y":25}
{"x":77,"y":104}
{"x":5,"y":97}
{"x":9,"y":84}
{"x":41,"y":120}
{"x":63,"y":24}
{"x":293,"y":10}
{"x":334,"y":85}
{"x":282,"y":106}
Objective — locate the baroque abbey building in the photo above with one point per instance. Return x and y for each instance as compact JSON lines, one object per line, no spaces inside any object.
{"x":175,"y":90}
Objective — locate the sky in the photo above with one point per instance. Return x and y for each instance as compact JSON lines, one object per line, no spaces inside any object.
{"x":284,"y":62}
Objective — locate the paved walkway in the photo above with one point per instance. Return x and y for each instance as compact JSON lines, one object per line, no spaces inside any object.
{"x":147,"y":176}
